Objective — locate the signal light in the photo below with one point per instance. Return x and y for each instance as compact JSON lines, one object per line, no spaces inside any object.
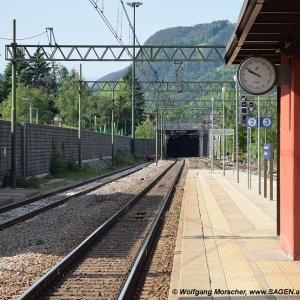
{"x":244,"y":110}
{"x":244,"y":105}
{"x":251,"y":105}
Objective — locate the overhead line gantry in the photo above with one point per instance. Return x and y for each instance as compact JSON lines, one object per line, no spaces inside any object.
{"x":120,"y":53}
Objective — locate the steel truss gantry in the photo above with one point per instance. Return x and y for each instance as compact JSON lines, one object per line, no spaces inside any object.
{"x":163,"y":86}
{"x":120,"y":53}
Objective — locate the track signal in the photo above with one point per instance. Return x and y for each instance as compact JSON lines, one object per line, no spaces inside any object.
{"x":251,"y":105}
{"x":244,"y":110}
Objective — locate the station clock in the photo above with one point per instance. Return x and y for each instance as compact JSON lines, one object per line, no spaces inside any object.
{"x":256,"y":75}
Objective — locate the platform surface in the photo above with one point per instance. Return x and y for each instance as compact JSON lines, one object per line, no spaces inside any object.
{"x":227,"y":245}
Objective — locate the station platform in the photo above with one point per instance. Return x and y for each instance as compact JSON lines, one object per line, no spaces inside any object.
{"x":227,"y":245}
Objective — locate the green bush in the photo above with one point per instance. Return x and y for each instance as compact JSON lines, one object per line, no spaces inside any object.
{"x":124,"y":158}
{"x":57,"y":163}
{"x":31,"y":182}
{"x":71,"y":166}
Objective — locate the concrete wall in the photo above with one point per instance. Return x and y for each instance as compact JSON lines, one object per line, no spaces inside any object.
{"x":35,"y":144}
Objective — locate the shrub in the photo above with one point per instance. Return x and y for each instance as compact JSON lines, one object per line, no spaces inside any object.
{"x":71,"y":166}
{"x":57,"y":163}
{"x":31,"y":182}
{"x":124,"y":158}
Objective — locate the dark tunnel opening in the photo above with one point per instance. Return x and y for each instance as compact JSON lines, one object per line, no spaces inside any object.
{"x":182,"y":143}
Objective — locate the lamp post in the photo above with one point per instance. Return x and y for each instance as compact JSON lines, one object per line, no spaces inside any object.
{"x":258,"y":147}
{"x":113,"y":128}
{"x":212,"y":135}
{"x":36,"y":114}
{"x":80,"y":117}
{"x":156,"y":137}
{"x":13,"y":109}
{"x":223,"y":141}
{"x":236,"y":128}
{"x":134,"y":5}
{"x":30,"y":108}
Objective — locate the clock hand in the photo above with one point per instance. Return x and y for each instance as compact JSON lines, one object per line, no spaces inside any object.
{"x":252,"y":72}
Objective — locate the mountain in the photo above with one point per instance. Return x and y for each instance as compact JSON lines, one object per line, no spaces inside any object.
{"x":1,"y":76}
{"x":215,"y":33}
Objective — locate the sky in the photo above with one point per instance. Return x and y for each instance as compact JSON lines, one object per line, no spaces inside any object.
{"x":76,"y":22}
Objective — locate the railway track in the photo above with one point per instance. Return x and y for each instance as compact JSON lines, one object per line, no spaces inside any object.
{"x":107,"y":263}
{"x":13,"y":214}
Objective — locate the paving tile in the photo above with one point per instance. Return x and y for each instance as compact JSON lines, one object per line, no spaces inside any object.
{"x":227,"y":239}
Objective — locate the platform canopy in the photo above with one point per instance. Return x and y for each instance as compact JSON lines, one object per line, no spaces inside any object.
{"x":266,"y":28}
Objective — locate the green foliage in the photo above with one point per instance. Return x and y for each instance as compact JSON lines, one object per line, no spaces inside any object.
{"x":145,"y":130}
{"x":124,"y":158}
{"x":100,"y":104}
{"x":177,"y":210}
{"x":31,"y":182}
{"x":39,"y":100}
{"x":39,"y":241}
{"x":175,"y":114}
{"x":67,"y":100}
{"x":71,"y":166}
{"x":271,"y":133}
{"x":5,"y":83}
{"x":57,"y":163}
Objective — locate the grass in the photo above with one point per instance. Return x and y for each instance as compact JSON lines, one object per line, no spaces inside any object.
{"x":39,"y":241}
{"x":68,"y":176}
{"x":177,"y":209}
{"x":46,"y":185}
{"x":80,"y":174}
{"x":71,"y":173}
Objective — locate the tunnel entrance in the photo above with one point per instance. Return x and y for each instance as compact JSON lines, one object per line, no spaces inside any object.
{"x":182,"y":143}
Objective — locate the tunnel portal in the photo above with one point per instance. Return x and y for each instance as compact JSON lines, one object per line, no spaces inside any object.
{"x":186,"y":143}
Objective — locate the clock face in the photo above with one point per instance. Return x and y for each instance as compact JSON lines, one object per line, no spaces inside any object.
{"x":256,"y":75}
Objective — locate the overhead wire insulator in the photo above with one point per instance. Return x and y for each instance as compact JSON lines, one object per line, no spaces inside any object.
{"x":178,"y":66}
{"x":51,"y":35}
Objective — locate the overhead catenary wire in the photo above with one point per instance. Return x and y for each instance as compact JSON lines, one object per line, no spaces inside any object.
{"x":121,"y":29}
{"x":23,"y":39}
{"x":136,"y":38}
{"x":109,"y":25}
{"x":155,"y":73}
{"x":118,"y":19}
{"x":119,"y":39}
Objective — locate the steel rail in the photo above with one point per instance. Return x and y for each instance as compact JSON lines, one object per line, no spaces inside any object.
{"x":148,"y":245}
{"x":66,"y":263}
{"x":57,"y":191}
{"x":38,"y":211}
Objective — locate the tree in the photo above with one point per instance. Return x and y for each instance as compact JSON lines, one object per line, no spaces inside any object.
{"x":100,"y":104}
{"x":67,"y":100}
{"x":39,"y":100}
{"x":146,"y":129}
{"x":5,"y":84}
{"x":139,"y":96}
{"x":40,"y":74}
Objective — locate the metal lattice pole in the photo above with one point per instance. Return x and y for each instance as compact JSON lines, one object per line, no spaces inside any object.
{"x":223,"y":141}
{"x":79,"y":117}
{"x":13,"y":111}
